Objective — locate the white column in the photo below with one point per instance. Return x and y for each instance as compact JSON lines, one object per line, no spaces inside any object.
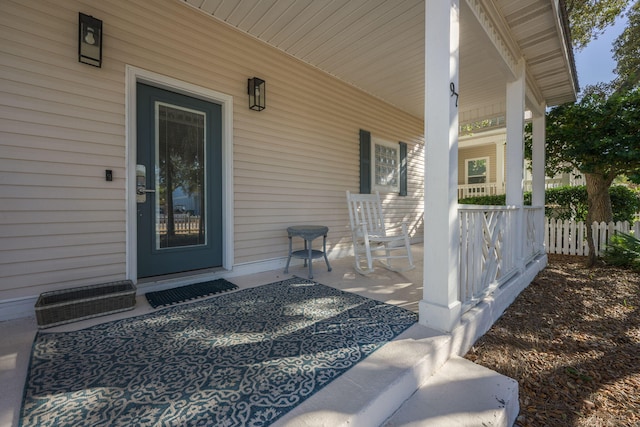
{"x":440,"y":308}
{"x":500,"y":167}
{"x":538,"y":162}
{"x":515,"y":138}
{"x":515,"y":159}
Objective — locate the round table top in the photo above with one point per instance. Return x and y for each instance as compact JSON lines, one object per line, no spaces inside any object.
{"x":307,"y":232}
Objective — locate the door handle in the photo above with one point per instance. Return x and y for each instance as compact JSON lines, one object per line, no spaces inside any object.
{"x":141,"y":190}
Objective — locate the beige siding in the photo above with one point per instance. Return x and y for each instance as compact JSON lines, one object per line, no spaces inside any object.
{"x":62,"y":124}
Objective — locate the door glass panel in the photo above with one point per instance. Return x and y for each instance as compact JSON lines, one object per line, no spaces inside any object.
{"x":180,"y":177}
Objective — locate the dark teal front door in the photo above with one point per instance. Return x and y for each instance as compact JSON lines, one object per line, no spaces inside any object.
{"x":178,"y":182}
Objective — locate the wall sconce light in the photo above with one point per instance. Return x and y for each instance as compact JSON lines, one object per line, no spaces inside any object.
{"x":257,"y":93}
{"x":90,"y":40}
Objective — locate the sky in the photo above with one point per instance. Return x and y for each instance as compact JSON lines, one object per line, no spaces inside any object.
{"x":595,"y":62}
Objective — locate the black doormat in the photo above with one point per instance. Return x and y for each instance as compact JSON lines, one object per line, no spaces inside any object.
{"x":188,"y":292}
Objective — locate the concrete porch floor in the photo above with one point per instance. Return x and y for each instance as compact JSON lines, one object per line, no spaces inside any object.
{"x":368,"y":394}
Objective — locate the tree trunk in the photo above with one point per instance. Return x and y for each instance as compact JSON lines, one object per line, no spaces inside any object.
{"x":599,"y":207}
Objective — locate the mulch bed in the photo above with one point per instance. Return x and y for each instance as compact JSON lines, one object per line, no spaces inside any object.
{"x":572,"y":341}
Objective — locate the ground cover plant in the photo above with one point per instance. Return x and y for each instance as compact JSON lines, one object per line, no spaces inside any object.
{"x":623,"y":250}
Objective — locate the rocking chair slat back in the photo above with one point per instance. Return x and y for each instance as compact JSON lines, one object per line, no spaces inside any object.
{"x":370,"y":235}
{"x":366,"y":209}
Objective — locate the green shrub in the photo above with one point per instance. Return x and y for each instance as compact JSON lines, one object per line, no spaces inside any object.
{"x":623,"y":250}
{"x":498,"y":200}
{"x":566,"y":203}
{"x":571,"y":202}
{"x":624,"y":202}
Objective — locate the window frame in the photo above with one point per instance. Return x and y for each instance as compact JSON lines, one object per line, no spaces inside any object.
{"x":385,"y":188}
{"x":486,"y":174}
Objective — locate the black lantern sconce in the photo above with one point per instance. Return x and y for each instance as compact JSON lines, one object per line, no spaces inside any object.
{"x":90,"y":40}
{"x":257,"y":93}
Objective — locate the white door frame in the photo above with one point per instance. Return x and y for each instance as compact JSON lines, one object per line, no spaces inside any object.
{"x":136,"y":75}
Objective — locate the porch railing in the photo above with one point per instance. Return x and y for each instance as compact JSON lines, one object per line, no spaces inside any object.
{"x":534,"y":233}
{"x":475,"y":190}
{"x":487,"y":250}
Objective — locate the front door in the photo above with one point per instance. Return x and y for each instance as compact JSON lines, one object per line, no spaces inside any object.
{"x":178,"y":182}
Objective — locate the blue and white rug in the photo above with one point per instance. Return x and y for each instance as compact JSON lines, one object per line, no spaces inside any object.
{"x":240,"y":359}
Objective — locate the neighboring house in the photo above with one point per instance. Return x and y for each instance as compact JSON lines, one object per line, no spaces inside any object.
{"x":481,"y":162}
{"x":482,"y":165}
{"x":84,"y":148}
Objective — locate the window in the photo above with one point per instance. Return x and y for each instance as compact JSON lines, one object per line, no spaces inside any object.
{"x":385,"y":161}
{"x":383,"y":170}
{"x":477,"y":170}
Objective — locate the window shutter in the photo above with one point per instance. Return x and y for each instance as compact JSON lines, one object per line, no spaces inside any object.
{"x":365,"y":162}
{"x":403,"y":169}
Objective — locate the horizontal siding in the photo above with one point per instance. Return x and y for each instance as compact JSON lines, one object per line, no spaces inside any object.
{"x":60,"y":170}
{"x":61,"y":126}
{"x":44,"y":241}
{"x":63,"y":123}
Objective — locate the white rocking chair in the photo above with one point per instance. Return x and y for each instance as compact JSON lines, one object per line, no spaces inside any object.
{"x":370,"y":236}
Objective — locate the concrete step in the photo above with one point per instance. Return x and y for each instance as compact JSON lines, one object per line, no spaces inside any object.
{"x":460,"y":393}
{"x":368,"y":393}
{"x":415,"y":380}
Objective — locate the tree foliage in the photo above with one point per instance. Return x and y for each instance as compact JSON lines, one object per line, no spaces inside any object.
{"x":598,"y":135}
{"x":626,"y":51}
{"x":589,"y":18}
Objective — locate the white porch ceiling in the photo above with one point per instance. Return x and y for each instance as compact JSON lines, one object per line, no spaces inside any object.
{"x":378,"y":46}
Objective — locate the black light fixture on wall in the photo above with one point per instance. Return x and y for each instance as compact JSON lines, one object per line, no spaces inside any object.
{"x":257,"y":93}
{"x":90,"y":40}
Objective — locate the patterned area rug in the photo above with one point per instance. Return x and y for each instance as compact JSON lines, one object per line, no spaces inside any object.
{"x":239,"y":359}
{"x":188,"y":293}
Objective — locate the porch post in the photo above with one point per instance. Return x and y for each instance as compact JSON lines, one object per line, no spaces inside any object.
{"x":500,"y":167}
{"x":538,"y":179}
{"x":440,"y":307}
{"x":515,"y":160}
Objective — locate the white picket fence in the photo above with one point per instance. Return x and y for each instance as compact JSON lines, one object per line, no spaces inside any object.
{"x":570,"y":237}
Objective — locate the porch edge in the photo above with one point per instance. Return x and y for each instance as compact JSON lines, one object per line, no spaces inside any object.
{"x":478,"y":320}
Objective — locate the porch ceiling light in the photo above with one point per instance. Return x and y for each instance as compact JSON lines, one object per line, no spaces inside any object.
{"x":257,"y":93}
{"x":90,"y":40}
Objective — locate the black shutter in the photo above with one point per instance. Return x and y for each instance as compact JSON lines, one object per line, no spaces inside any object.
{"x":403,"y":169}
{"x":365,"y":162}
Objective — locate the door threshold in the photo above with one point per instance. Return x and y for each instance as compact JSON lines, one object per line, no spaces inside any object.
{"x":178,"y":279}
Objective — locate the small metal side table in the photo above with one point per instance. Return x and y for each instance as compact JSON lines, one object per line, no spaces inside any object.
{"x":308,"y":233}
